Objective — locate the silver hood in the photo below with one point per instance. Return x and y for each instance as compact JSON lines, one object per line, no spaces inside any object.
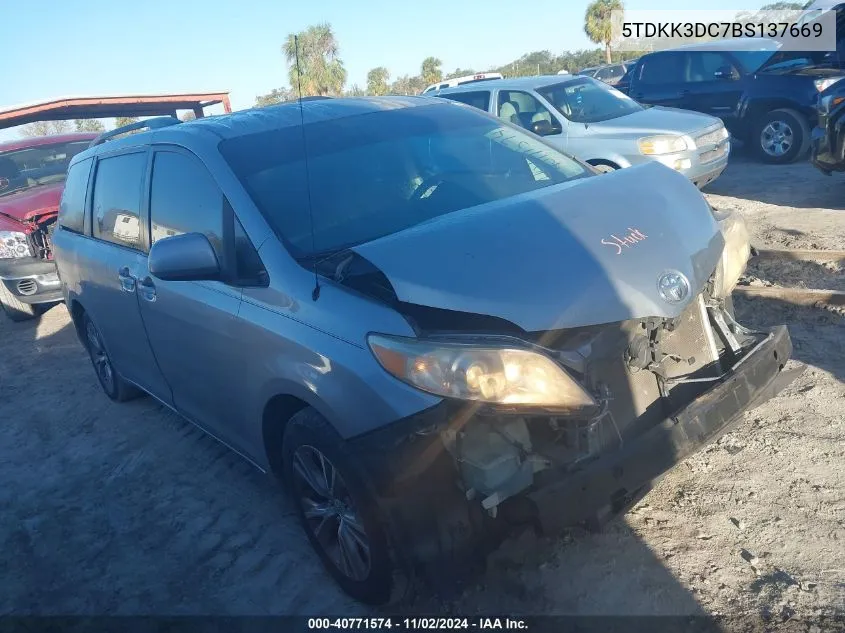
{"x":660,"y":120}
{"x":582,"y":253}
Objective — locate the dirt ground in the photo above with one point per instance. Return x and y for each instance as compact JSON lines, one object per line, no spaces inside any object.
{"x":127,"y":509}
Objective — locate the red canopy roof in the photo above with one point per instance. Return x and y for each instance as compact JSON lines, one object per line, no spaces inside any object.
{"x":111,"y":106}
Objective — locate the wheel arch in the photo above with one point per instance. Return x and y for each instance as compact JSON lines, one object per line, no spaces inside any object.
{"x":277,"y":411}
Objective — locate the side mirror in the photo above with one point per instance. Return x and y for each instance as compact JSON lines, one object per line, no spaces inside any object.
{"x":186,"y":257}
{"x":543,"y":127}
{"x":725,"y":73}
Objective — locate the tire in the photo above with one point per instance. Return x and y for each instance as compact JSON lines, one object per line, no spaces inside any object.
{"x":14,"y":309}
{"x":781,"y":136}
{"x":115,"y":387}
{"x":346,"y":514}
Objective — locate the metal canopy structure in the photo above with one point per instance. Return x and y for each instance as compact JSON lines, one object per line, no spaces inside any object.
{"x":112,"y":106}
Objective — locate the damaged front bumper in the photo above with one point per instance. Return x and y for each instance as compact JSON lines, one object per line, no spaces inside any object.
{"x":434,"y":518}
{"x":611,"y":480}
{"x":31,"y":280}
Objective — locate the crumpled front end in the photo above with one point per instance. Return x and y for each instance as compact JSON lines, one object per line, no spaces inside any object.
{"x":456,"y":478}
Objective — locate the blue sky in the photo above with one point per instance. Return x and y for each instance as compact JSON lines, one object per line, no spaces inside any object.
{"x":90,"y":47}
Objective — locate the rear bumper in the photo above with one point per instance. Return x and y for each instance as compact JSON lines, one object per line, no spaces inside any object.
{"x":31,"y":280}
{"x":437,"y":528}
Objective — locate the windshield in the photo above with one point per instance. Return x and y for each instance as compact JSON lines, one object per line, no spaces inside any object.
{"x":375,"y":174}
{"x":588,"y":101}
{"x":33,"y":166}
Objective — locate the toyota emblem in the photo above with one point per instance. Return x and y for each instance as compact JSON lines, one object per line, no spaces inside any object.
{"x":673,"y":286}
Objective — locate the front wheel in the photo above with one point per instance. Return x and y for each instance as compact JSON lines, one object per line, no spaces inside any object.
{"x":336,"y":509}
{"x":781,"y":136}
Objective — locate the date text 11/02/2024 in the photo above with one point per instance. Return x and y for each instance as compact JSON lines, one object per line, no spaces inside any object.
{"x":419,"y":623}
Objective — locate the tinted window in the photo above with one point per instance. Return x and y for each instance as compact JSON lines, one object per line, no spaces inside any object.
{"x":72,"y":208}
{"x":480,"y":100}
{"x":375,"y":174}
{"x":184,"y":198}
{"x":702,"y":66}
{"x":588,"y":101}
{"x":33,"y":166}
{"x":117,"y":198}
{"x":665,"y":68}
{"x":523,"y":109}
{"x":610,"y":72}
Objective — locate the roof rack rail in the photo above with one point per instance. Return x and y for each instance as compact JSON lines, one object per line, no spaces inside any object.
{"x":314,"y":98}
{"x":148,"y":124}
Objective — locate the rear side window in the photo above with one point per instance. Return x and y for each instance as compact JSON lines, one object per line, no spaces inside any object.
{"x":117,"y":199}
{"x":665,"y":68}
{"x":185,"y":198}
{"x":479,"y":99}
{"x":72,"y":207}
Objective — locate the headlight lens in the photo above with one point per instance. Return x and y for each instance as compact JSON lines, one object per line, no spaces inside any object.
{"x":664,"y":144}
{"x":14,"y":244}
{"x":498,"y":375}
{"x":735,"y":255}
{"x":824,"y":84}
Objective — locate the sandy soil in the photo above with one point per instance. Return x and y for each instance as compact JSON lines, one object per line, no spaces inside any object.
{"x":126,"y":509}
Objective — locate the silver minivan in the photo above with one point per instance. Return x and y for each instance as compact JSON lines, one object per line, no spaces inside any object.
{"x":436,"y":328}
{"x":606,"y":128}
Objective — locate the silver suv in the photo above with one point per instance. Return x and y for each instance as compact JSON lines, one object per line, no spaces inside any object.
{"x":597,"y":123}
{"x":436,"y":327}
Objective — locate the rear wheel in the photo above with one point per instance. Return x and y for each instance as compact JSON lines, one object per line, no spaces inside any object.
{"x":336,"y":509}
{"x":16,"y":310}
{"x":113,"y":385}
{"x":781,"y":136}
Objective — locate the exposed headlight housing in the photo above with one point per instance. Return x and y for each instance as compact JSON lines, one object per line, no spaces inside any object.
{"x":492,"y":374}
{"x":664,"y":144}
{"x":735,"y":255}
{"x":823,"y":84}
{"x":14,"y":244}
{"x":826,"y":104}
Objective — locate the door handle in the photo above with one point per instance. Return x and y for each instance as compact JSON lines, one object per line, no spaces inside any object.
{"x":147,"y":289}
{"x":127,"y":281}
{"x":684,"y":93}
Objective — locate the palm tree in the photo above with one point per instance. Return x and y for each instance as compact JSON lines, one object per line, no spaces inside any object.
{"x":597,"y":22}
{"x":320,"y":70}
{"x":377,"y":80}
{"x":430,"y":71}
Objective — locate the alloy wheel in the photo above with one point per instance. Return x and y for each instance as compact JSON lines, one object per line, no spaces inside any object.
{"x":777,"y":138}
{"x":99,"y":357}
{"x":330,"y":513}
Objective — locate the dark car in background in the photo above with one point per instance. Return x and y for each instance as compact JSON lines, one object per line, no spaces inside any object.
{"x":766,"y":96}
{"x":32,"y":178}
{"x":829,"y":134}
{"x":610,"y":74}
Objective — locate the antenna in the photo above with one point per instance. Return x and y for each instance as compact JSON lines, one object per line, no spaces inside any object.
{"x":315,"y":294}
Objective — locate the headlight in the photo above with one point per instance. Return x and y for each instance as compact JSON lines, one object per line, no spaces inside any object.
{"x":824,"y":84}
{"x":498,"y":375}
{"x":14,"y":244}
{"x":664,"y":144}
{"x":735,"y":255}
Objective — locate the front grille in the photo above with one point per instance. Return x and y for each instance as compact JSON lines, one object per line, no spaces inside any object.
{"x":27,"y":287}
{"x":713,"y":154}
{"x":712,"y":137}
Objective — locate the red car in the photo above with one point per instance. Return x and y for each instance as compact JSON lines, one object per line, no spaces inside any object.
{"x":32,"y":177}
